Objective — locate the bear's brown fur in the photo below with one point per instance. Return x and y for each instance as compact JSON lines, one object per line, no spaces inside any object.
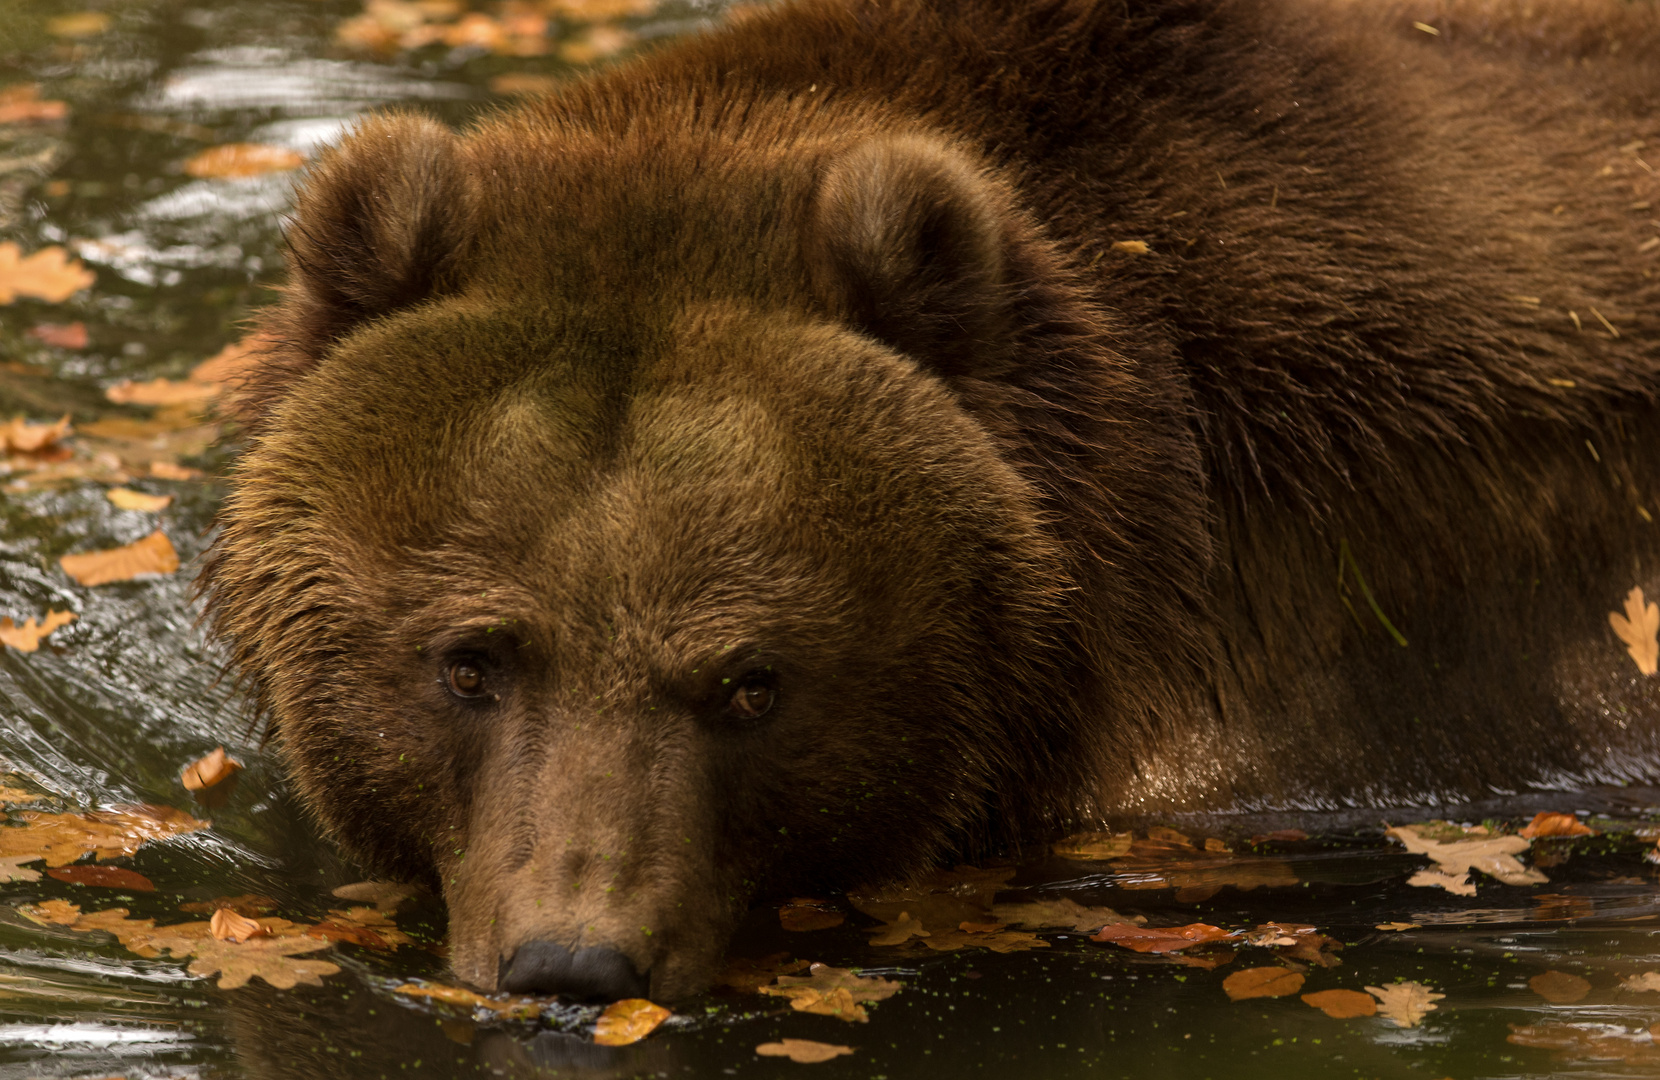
{"x":816,"y":360}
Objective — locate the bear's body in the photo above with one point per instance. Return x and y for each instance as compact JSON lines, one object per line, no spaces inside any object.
{"x":881,"y":427}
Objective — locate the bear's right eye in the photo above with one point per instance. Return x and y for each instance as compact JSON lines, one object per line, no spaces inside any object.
{"x":465,"y":679}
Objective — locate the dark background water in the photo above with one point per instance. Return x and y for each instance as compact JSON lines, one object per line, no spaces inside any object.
{"x":112,"y":706}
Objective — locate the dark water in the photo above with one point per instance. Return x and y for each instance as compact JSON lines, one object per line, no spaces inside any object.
{"x":111,"y":707}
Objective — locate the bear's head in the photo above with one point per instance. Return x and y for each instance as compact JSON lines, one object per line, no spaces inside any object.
{"x":618,"y":539}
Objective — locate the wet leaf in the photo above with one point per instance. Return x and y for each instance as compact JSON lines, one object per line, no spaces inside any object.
{"x":832,"y":991}
{"x":998,"y":941}
{"x":1094,"y":846}
{"x":161,"y":392}
{"x":210,"y":770}
{"x":107,"y":877}
{"x":384,"y":895}
{"x":1647,"y":981}
{"x":901,"y":930}
{"x":61,"y":335}
{"x":1546,"y":824}
{"x":27,"y":638}
{"x":748,"y":976}
{"x":11,"y":868}
{"x":170,"y":470}
{"x":20,"y":103}
{"x":803,"y":914}
{"x":802,"y":1051}
{"x":1167,"y":859}
{"x":1588,"y":1042}
{"x":62,"y":839}
{"x":49,"y":274}
{"x":1262,"y":982}
{"x":249,"y":905}
{"x":1398,"y":926}
{"x":152,"y":555}
{"x":239,"y":160}
{"x":81,"y":24}
{"x":1280,"y":836}
{"x":268,"y":958}
{"x":1492,"y":855}
{"x":370,"y":927}
{"x":1343,"y":1004}
{"x":24,"y":437}
{"x":1639,"y":628}
{"x":128,"y":499}
{"x":1559,"y":988}
{"x":628,"y":1021}
{"x":1160,"y":939}
{"x":51,"y":912}
{"x":1406,"y":1003}
{"x":512,"y":1008}
{"x":227,"y":925}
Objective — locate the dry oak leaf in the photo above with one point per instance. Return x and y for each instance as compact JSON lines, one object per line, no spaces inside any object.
{"x":128,"y":499}
{"x":238,"y":160}
{"x":1648,"y":980}
{"x":61,"y":839}
{"x":1639,"y":628}
{"x":62,"y":335}
{"x":152,"y":555}
{"x":513,"y":1008}
{"x":209,"y":770}
{"x":21,"y":103}
{"x":803,"y":914}
{"x":1559,"y":988}
{"x":385,"y":895}
{"x":1492,"y":855}
{"x":1061,"y":914}
{"x":20,"y":436}
{"x":1343,"y":1004}
{"x":1545,"y":824}
{"x":628,"y":1021}
{"x":1589,"y":1042}
{"x":748,"y":976}
{"x":1262,"y":982}
{"x":27,"y":638}
{"x":49,"y":274}
{"x":1406,"y":1003}
{"x":802,"y":1051}
{"x":1160,"y":939}
{"x":1094,"y":846}
{"x":107,"y":877}
{"x":269,"y":958}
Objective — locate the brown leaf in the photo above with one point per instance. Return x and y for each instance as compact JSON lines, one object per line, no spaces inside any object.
{"x":748,"y":976}
{"x":236,"y":160}
{"x":1296,"y":941}
{"x":370,"y":927}
{"x":231,"y":363}
{"x":161,"y":392}
{"x":80,"y":24}
{"x":628,"y":1021}
{"x":802,"y":1051}
{"x":62,"y":839}
{"x":1060,"y":914}
{"x":21,"y":436}
{"x":599,"y":42}
{"x":1094,"y":846}
{"x":1262,"y":982}
{"x":11,"y":868}
{"x":1639,"y":628}
{"x":1398,"y":926}
{"x":1000,"y":941}
{"x":1647,"y":981}
{"x":1406,"y":1003}
{"x":268,"y":958}
{"x":1167,"y":859}
{"x":595,"y":10}
{"x":49,"y":274}
{"x":107,"y":877}
{"x":832,"y":991}
{"x":51,"y":912}
{"x":1492,"y":855}
{"x":210,"y":770}
{"x":128,"y":499}
{"x":227,"y":925}
{"x":1160,"y":939}
{"x":1280,"y":836}
{"x":803,"y":914}
{"x":1545,"y":824}
{"x":901,"y":930}
{"x":384,"y":895}
{"x":62,"y":335}
{"x":20,"y":103}
{"x":250,"y":905}
{"x":170,"y":470}
{"x":1590,"y":1042}
{"x":1559,"y":988}
{"x":152,"y":555}
{"x":1343,"y":1004}
{"x":27,"y":638}
{"x":512,"y":1008}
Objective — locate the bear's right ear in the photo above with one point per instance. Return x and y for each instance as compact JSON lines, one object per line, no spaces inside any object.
{"x":908,"y":240}
{"x":381,"y":222}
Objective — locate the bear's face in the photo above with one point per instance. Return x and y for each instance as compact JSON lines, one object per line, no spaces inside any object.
{"x":609,"y":624}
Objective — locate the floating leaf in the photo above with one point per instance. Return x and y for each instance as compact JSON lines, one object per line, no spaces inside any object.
{"x":1406,"y":1003}
{"x":901,"y":930}
{"x":1588,"y":1042}
{"x":1399,"y":926}
{"x":384,"y":895}
{"x":210,"y":770}
{"x":803,"y":914}
{"x":369,"y":927}
{"x":107,"y":877}
{"x":23,"y":437}
{"x":128,"y":499}
{"x":239,"y":160}
{"x":524,"y":84}
{"x":748,"y":976}
{"x":802,"y":1051}
{"x":21,"y":103}
{"x":1647,"y":981}
{"x":169,"y":470}
{"x":1262,"y":982}
{"x":27,"y":638}
{"x":1280,"y":836}
{"x":1639,"y":628}
{"x":1160,"y":939}
{"x":830,"y":991}
{"x":1545,"y":824}
{"x":597,"y":44}
{"x":161,"y":392}
{"x":998,"y":941}
{"x":1559,"y":988}
{"x":62,"y":335}
{"x":1343,"y":1004}
{"x":227,"y":925}
{"x":49,"y":274}
{"x":81,"y":24}
{"x":11,"y":868}
{"x":51,"y":912}
{"x":1492,"y":855}
{"x":628,"y":1021}
{"x":62,"y":839}
{"x":152,"y":555}
{"x":268,"y":958}
{"x":512,"y":1008}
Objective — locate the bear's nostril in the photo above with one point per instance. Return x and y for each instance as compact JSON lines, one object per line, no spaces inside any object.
{"x":591,"y":974}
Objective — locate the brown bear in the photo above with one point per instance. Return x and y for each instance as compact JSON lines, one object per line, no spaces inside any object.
{"x":887,"y":428}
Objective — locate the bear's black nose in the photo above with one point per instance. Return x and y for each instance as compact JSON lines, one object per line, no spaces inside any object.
{"x":591,"y":974}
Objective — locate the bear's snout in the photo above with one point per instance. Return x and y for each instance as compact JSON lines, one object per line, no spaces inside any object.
{"x":595,"y":973}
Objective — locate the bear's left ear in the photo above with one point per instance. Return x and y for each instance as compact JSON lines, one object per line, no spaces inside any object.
{"x":908,"y":241}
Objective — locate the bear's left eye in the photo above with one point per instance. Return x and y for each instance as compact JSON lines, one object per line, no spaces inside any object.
{"x":752,"y":699}
{"x":465,"y":679}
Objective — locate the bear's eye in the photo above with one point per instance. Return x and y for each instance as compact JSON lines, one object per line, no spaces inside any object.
{"x":752,"y":699}
{"x":466,"y":679}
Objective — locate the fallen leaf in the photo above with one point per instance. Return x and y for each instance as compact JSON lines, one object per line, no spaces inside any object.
{"x":1160,"y":939}
{"x":128,"y":499}
{"x":1492,"y":855}
{"x":268,"y":958}
{"x":81,"y":24}
{"x":1094,"y":846}
{"x":832,"y":991}
{"x":628,"y":1021}
{"x":1589,"y":1042}
{"x":1639,"y":628}
{"x":1553,"y":906}
{"x":51,"y":912}
{"x":384,"y":895}
{"x":1131,"y":247}
{"x":210,"y":770}
{"x":1457,"y":884}
{"x":1545,"y":824}
{"x":748,"y":976}
{"x":62,"y":335}
{"x":1280,"y":836}
{"x":231,"y":363}
{"x":161,"y":392}
{"x":1296,"y":941}
{"x":227,"y":925}
{"x":49,"y":274}
{"x":1398,"y":926}
{"x":239,"y":160}
{"x":170,"y":470}
{"x":369,"y":927}
{"x":1406,"y":1003}
{"x":1343,"y":1004}
{"x":941,"y":899}
{"x":802,"y":1051}
{"x":899,"y":931}
{"x":1167,"y":859}
{"x":152,"y":555}
{"x":21,"y":436}
{"x":250,"y":905}
{"x":1559,"y":988}
{"x":1262,"y":982}
{"x":27,"y":638}
{"x":1061,"y":914}
{"x":803,"y":914}
{"x":1647,"y":981}
{"x":107,"y":877}
{"x":21,"y":103}
{"x":512,"y":1008}
{"x":11,"y":868}
{"x":998,"y":941}
{"x":61,"y":839}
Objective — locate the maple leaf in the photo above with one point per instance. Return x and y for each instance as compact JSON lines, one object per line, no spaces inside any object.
{"x":239,"y":160}
{"x":21,"y":103}
{"x":128,"y":499}
{"x":1492,"y":855}
{"x":1559,"y":988}
{"x":49,"y":274}
{"x":803,"y":914}
{"x":1160,"y":939}
{"x":628,"y":1021}
{"x":1639,"y":628}
{"x":802,"y":1051}
{"x":1262,"y":982}
{"x":27,"y":638}
{"x":1343,"y":1004}
{"x":1406,"y":1003}
{"x":748,"y":976}
{"x":268,"y":958}
{"x":1545,"y":824}
{"x":152,"y":555}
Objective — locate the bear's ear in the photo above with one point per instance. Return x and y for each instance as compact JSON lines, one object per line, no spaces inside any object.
{"x":907,"y":240}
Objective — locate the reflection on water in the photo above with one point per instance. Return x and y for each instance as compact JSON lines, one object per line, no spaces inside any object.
{"x":107,"y":711}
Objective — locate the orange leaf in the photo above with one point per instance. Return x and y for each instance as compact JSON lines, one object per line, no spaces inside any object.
{"x":27,"y":638}
{"x":802,"y":1051}
{"x":1159,"y":939}
{"x":803,"y":913}
{"x":49,"y":274}
{"x":168,"y":470}
{"x":1343,"y":1004}
{"x":210,"y":770}
{"x":152,"y":555}
{"x":161,"y":392}
{"x":1545,"y":824}
{"x":237,"y":160}
{"x":63,"y":335}
{"x":1559,"y":988}
{"x":1262,"y":982}
{"x":79,"y":24}
{"x":1639,"y":628}
{"x":231,"y":361}
{"x":628,"y":1021}
{"x":20,"y":103}
{"x":128,"y":499}
{"x":227,"y":925}
{"x":21,"y":436}
{"x":108,"y":877}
